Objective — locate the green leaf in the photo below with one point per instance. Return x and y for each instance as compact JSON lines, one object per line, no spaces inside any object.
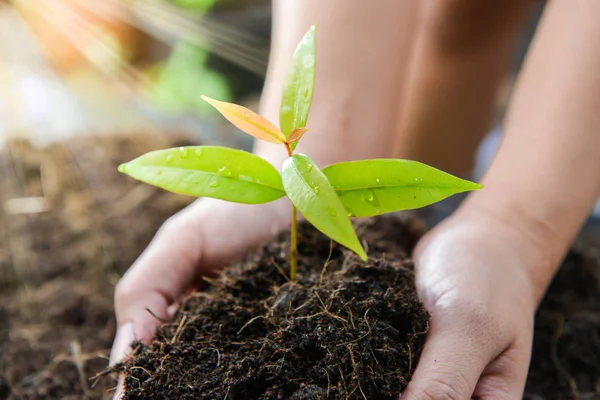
{"x":209,"y":171}
{"x":379,"y":186}
{"x":298,"y":86}
{"x":312,"y":194}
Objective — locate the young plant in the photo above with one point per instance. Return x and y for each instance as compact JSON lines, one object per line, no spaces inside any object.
{"x":326,"y":197}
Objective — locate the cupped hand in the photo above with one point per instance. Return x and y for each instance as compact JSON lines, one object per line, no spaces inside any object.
{"x":474,"y":275}
{"x":202,"y":237}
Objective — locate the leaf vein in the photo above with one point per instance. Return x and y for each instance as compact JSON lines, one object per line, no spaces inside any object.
{"x":217,"y":175}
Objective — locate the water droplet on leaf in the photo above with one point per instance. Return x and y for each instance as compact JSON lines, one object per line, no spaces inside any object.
{"x":248,"y":115}
{"x":377,"y":180}
{"x":198,"y":152}
{"x":350,"y":212}
{"x":214,"y":184}
{"x":169,"y":159}
{"x":371,"y":198}
{"x":309,"y":167}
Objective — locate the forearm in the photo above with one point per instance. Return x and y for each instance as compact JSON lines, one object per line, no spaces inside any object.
{"x":461,"y":57}
{"x":362,"y":53}
{"x":546,"y":175}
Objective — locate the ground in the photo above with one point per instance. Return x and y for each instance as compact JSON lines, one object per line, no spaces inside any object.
{"x":58,"y":267}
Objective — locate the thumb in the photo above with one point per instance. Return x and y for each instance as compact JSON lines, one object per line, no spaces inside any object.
{"x":158,"y":277}
{"x":449,"y":367}
{"x":171,"y":263}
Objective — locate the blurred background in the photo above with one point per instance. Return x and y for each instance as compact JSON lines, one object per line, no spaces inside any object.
{"x":84,"y":86}
{"x":74,"y":66}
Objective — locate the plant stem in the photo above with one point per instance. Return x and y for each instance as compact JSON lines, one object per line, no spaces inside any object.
{"x":294,"y":247}
{"x":294,"y":233}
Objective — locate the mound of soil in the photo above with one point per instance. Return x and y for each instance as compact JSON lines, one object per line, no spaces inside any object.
{"x":69,"y":228}
{"x":344,"y":330}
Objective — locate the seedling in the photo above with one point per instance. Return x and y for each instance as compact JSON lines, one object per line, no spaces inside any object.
{"x":326,"y":197}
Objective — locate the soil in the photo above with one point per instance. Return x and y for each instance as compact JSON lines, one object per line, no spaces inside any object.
{"x":59,"y":263}
{"x":344,"y":330}
{"x":253,"y":335}
{"x":58,"y":268}
{"x":566,"y":351}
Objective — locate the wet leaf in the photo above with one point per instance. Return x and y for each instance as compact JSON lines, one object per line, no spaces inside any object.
{"x":312,"y":194}
{"x":298,"y":86}
{"x":209,"y":171}
{"x":379,"y":186}
{"x":248,"y":121}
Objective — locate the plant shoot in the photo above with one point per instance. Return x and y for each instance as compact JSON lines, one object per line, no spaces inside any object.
{"x":326,"y":197}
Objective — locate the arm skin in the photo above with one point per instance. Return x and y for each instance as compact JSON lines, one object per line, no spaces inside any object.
{"x":547,"y":172}
{"x":463,"y":51}
{"x":545,"y":178}
{"x":483,"y":271}
{"x":362,"y":53}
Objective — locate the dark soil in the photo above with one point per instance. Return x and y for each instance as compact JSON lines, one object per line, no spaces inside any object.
{"x":566,"y":352}
{"x":58,"y":267}
{"x":345,"y":330}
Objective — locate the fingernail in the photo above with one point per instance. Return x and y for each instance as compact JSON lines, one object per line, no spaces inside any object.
{"x":123,"y":339}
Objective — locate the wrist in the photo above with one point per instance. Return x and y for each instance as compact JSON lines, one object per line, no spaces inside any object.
{"x":535,"y":243}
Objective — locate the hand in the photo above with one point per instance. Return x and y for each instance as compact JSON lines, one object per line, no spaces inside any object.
{"x":204,"y":236}
{"x":474,"y":275}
